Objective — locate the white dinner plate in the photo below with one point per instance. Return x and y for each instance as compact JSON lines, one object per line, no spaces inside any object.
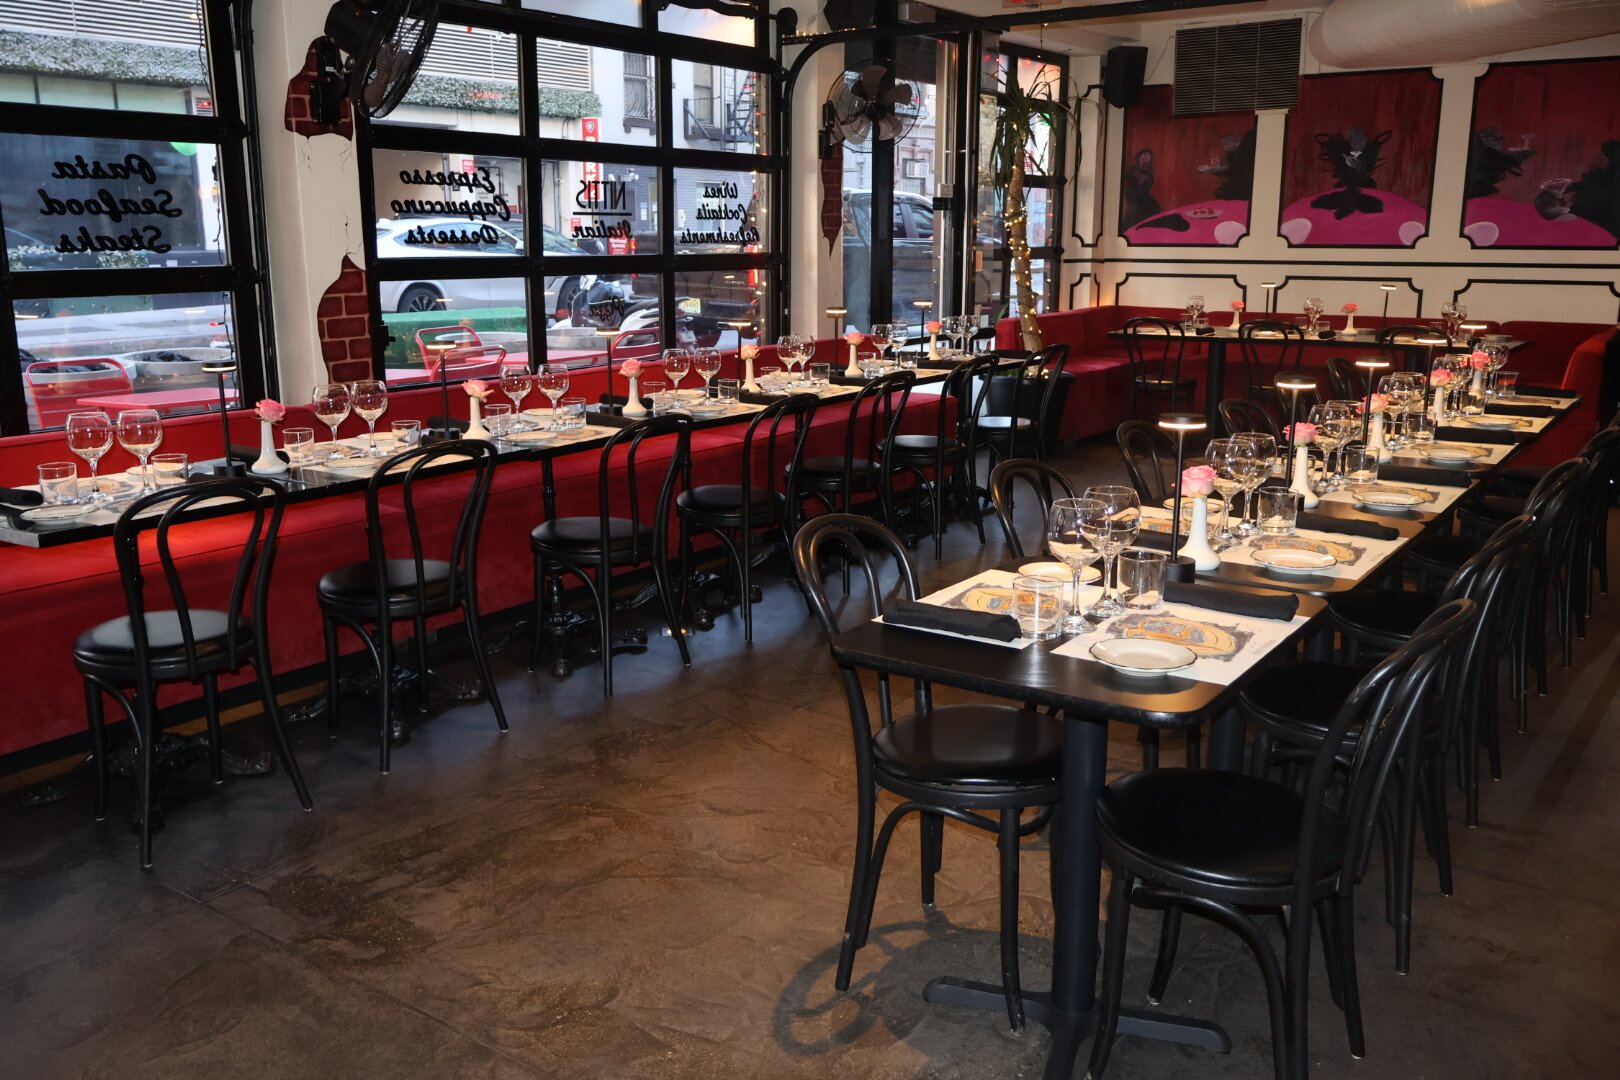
{"x":1377,"y":499}
{"x":1288,"y":560}
{"x":1143,"y":657}
{"x":58,"y":514}
{"x":531,"y":437}
{"x":351,"y":464}
{"x":1495,"y":422}
{"x":1057,"y":571}
{"x":1453,"y":455}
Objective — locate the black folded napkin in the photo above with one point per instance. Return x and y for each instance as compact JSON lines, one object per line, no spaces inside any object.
{"x":1481,"y":435}
{"x":1548,"y":391}
{"x":920,"y":616}
{"x":838,"y":378}
{"x":1204,"y":331}
{"x":1232,"y":601}
{"x":1502,"y":408}
{"x":1422,"y":474}
{"x":19,"y":497}
{"x":749,"y":397}
{"x":611,"y":419}
{"x":1349,"y":526}
{"x":1327,"y":335}
{"x":1157,"y":541}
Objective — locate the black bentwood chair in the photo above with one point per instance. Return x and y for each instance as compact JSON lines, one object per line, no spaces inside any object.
{"x":1023,"y":430}
{"x":385,"y":590}
{"x":1047,"y":484}
{"x":736,"y":512}
{"x":1150,"y":459}
{"x":1269,"y":347}
{"x":1242,"y":414}
{"x":591,"y":548}
{"x":874,"y":421}
{"x":1343,"y":379}
{"x":978,"y":764}
{"x":179,"y":643}
{"x":1222,"y":844}
{"x":950,"y":450}
{"x":1154,"y":349}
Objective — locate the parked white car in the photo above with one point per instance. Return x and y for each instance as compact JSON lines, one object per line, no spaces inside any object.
{"x":451,"y":294}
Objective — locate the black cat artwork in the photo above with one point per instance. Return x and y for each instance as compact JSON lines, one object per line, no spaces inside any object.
{"x":1236,"y":171}
{"x":1136,"y":194}
{"x":1352,"y":158}
{"x":1489,"y":163}
{"x":1596,"y":195}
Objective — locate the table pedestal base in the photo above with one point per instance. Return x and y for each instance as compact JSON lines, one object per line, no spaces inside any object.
{"x":1069,"y":1030}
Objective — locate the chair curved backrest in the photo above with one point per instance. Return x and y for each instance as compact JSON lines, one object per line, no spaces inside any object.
{"x":1042,"y":479}
{"x":1148,"y":453}
{"x":1154,"y":348}
{"x":257,"y":503}
{"x":1034,"y":387}
{"x":1269,"y":347}
{"x":627,"y":444}
{"x":1486,"y":579}
{"x":1342,"y":379}
{"x":783,"y":427}
{"x":874,"y":420}
{"x":1246,"y":414}
{"x":432,"y":342}
{"x":57,"y":386}
{"x":1399,"y":354}
{"x":405,"y":471}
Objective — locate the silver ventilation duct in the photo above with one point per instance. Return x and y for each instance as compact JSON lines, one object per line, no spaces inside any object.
{"x":1425,"y":33}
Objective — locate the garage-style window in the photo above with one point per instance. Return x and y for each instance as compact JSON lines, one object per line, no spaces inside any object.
{"x":560,"y":171}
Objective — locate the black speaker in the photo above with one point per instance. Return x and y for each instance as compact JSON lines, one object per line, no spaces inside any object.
{"x":1123,"y":73}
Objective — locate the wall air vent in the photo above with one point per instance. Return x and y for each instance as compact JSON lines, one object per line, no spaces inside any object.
{"x":1238,"y":67}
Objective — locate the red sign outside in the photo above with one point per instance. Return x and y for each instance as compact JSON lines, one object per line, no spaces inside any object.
{"x":590,"y":128}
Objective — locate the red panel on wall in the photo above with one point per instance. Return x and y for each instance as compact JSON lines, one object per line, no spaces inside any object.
{"x":1185,"y":180}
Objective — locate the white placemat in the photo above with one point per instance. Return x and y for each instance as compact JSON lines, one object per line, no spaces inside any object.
{"x":990,"y":591}
{"x":1436,"y":499}
{"x":1494,"y":453}
{"x":1227,"y":645}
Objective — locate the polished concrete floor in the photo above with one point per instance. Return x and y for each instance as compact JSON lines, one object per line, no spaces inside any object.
{"x":654,"y":887}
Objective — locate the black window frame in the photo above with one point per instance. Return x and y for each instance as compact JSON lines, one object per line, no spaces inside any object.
{"x":664,"y":158}
{"x":231,"y":127}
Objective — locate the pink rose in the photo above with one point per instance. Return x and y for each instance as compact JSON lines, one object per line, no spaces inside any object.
{"x":1380,"y":402}
{"x":854,"y":337}
{"x":1350,"y":309}
{"x":1237,"y":305}
{"x":477,"y":388}
{"x":933,"y":327}
{"x":1302,"y":433}
{"x":1197,"y":481}
{"x":1439,"y":377}
{"x":1478,"y":360}
{"x":630,"y":368}
{"x":749,"y":352}
{"x":272,"y":410}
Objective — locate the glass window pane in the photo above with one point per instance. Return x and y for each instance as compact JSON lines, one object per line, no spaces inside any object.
{"x":709,"y":302}
{"x":621,"y":12}
{"x":19,"y":88}
{"x":720,"y":108}
{"x":447,"y":204}
{"x":469,"y":325}
{"x":709,"y":25}
{"x":588,"y":208}
{"x":719,"y":211}
{"x":78,"y":52}
{"x":597,"y":95}
{"x":122,"y":352}
{"x":627,"y":304}
{"x":82,"y":203}
{"x":468,"y":82}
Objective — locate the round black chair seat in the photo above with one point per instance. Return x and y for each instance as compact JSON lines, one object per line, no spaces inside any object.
{"x":920,"y":448}
{"x":820,"y":472}
{"x":108,"y":648}
{"x":581,"y":537}
{"x":1210,"y":831}
{"x":1300,"y":699}
{"x":723,"y":504}
{"x":1391,"y":614}
{"x":1442,"y":552}
{"x":991,"y":746}
{"x":354,"y":586}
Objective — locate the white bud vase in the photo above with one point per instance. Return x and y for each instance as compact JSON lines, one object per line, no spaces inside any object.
{"x":475,"y":419}
{"x":632,"y":399}
{"x":853,"y":371}
{"x":1349,"y":322}
{"x":1237,"y":317}
{"x":269,"y":463}
{"x":1197,"y":548}
{"x":933,"y":348}
{"x":750,"y":383}
{"x":1375,"y":438}
{"x":1301,"y":483}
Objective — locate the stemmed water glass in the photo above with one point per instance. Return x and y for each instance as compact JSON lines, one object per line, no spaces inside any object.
{"x":140,"y":431}
{"x":516,"y":382}
{"x":331,"y":404}
{"x":880,"y":337}
{"x":1217,"y":454}
{"x":1067,"y":540}
{"x":707,"y":365}
{"x":1195,"y":308}
{"x":1452,"y":315}
{"x":370,"y":397}
{"x":677,"y":362}
{"x":554,"y":384}
{"x":1251,"y":456}
{"x":90,"y":435}
{"x":787,"y":349}
{"x":1111,"y":525}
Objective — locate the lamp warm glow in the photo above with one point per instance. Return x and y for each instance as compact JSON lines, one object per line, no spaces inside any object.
{"x":1295,"y":384}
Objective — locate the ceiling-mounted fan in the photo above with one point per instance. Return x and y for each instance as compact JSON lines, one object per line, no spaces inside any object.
{"x":879,"y":103}
{"x":370,"y":55}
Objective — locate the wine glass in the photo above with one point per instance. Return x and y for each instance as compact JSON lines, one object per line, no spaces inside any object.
{"x":880,"y":338}
{"x":1344,"y":418}
{"x":1226,"y":485}
{"x":707,"y":365}
{"x":331,"y":404}
{"x":1111,"y":526}
{"x":299,"y":442}
{"x":677,"y":362}
{"x":554,"y":384}
{"x":370,"y":398}
{"x":1066,"y":539}
{"x":516,"y":382}
{"x":90,"y":435}
{"x":1195,"y":308}
{"x":140,"y":431}
{"x":1251,"y":455}
{"x":787,"y":347}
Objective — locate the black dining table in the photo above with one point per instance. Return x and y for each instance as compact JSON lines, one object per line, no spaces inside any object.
{"x":1089,"y":696}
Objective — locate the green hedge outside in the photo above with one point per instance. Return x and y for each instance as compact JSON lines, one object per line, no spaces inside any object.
{"x":402,"y":351}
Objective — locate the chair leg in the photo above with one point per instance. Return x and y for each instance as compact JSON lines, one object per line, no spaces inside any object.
{"x":865,"y":809}
{"x":745,"y":575}
{"x":932,"y":835}
{"x":1195,"y":747}
{"x":1149,"y":740}
{"x":1329,"y":930}
{"x":1011,"y":985}
{"x":475,"y":639}
{"x":1343,"y":909}
{"x":1433,"y":784}
{"x":539,"y":611}
{"x":667,"y":596}
{"x":1169,"y":938}
{"x":216,"y":756}
{"x":385,"y":693}
{"x":334,"y":687}
{"x":278,"y":727}
{"x":422,"y":677}
{"x":1113,"y":976}
{"x":95,"y":712}
{"x":148,"y":733}
{"x":1260,"y":755}
{"x":602,"y":595}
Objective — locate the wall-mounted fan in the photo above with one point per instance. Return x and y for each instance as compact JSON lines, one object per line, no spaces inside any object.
{"x":879,"y":103}
{"x":382,"y":43}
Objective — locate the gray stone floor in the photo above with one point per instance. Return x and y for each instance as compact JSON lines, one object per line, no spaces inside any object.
{"x":654,"y":887}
